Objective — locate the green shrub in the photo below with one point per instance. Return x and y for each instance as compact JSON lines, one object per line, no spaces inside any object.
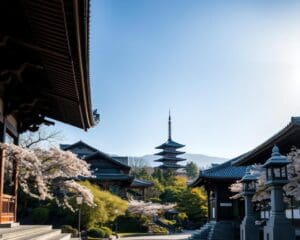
{"x":167,"y":221}
{"x":69,"y":229}
{"x":96,"y":233}
{"x":102,"y":232}
{"x":155,"y":200}
{"x":107,"y":230}
{"x":40,"y":215}
{"x":132,"y":223}
{"x":154,"y":228}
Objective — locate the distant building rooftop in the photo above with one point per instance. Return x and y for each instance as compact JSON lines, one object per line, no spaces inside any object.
{"x":223,"y":172}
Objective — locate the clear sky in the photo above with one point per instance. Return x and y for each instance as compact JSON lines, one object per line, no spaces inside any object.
{"x":228,"y":70}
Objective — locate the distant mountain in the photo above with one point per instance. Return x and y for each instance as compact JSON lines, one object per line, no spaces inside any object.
{"x":203,"y":161}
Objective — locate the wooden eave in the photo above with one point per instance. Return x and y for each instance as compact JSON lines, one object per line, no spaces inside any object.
{"x":56,"y":36}
{"x":206,"y":181}
{"x":285,"y":139}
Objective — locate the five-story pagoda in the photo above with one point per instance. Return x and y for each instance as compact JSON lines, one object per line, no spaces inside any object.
{"x":169,"y":152}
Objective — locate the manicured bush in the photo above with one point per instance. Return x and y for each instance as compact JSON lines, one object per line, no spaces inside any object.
{"x":102,"y":232}
{"x":107,"y":230}
{"x":69,"y":229}
{"x":132,"y":223}
{"x":40,"y":215}
{"x":96,"y":233}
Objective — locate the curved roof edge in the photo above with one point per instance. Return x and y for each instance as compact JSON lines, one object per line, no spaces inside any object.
{"x":266,"y":146}
{"x":223,"y":171}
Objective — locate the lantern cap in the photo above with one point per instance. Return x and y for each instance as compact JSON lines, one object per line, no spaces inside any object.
{"x":248,"y":177}
{"x":276,"y":159}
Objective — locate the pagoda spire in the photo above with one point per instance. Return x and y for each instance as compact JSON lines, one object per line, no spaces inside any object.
{"x":169,"y":151}
{"x":170,"y":126}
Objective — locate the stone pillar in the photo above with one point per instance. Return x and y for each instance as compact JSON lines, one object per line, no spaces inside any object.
{"x":248,"y":230}
{"x":278,"y":226}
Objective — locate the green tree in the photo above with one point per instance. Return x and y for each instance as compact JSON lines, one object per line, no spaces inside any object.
{"x":173,"y":191}
{"x":191,"y":170}
{"x":108,"y":207}
{"x":194,"y":203}
{"x":158,"y":174}
{"x":155,"y":191}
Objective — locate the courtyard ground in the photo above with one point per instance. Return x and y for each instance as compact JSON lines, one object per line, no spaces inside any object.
{"x":179,"y":236}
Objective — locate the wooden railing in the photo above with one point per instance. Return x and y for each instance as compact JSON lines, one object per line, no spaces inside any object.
{"x":7,"y":213}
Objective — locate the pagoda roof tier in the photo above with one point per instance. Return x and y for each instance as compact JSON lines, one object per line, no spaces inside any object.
{"x":169,"y":152}
{"x":170,"y":144}
{"x":173,"y":159}
{"x":170,"y":166}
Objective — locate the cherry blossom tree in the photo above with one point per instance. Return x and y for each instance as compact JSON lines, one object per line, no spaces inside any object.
{"x":148,"y":209}
{"x":49,"y":174}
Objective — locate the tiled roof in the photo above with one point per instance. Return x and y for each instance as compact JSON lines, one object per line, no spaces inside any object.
{"x":222,"y":171}
{"x":112,"y":176}
{"x":79,"y":143}
{"x":170,"y":144}
{"x":140,"y":183}
{"x":107,"y":157}
{"x":171,"y":166}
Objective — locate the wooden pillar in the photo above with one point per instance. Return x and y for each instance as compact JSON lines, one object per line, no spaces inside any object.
{"x":2,"y":167}
{"x":208,"y":204}
{"x":143,"y":192}
{"x":15,"y":180}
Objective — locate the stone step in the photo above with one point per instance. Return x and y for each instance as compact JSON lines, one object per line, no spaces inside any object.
{"x":62,"y":236}
{"x":11,"y":233}
{"x":39,"y":235}
{"x":33,"y":232}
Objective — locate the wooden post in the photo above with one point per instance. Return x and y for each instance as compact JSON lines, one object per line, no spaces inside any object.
{"x":2,"y":168}
{"x":208,"y":204}
{"x":143,"y":192}
{"x":15,"y":180}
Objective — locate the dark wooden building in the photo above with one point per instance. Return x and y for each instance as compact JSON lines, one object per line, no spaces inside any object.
{"x":110,"y":173}
{"x":224,"y":213}
{"x":216,"y":181}
{"x":169,"y":154}
{"x":44,"y":73}
{"x":286,"y":139}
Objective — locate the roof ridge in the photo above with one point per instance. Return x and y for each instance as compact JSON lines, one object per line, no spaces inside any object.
{"x":108,"y":157}
{"x":223,"y":165}
{"x":295,"y":121}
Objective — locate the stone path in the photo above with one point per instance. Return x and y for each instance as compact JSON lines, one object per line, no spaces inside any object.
{"x":180,"y":236}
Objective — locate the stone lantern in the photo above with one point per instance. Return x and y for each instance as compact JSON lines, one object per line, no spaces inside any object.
{"x":249,"y":231}
{"x":278,"y":227}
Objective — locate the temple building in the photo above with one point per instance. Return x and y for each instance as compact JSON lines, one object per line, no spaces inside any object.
{"x":286,"y":139}
{"x":169,"y":152}
{"x":224,"y":213}
{"x":44,"y":75}
{"x":110,"y":173}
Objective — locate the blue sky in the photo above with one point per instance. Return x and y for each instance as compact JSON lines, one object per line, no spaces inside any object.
{"x":230,"y":73}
